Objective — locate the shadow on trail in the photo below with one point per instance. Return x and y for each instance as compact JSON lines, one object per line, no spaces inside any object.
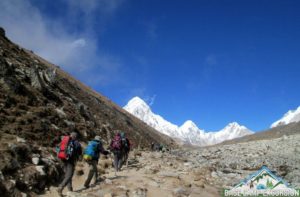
{"x":117,"y":177}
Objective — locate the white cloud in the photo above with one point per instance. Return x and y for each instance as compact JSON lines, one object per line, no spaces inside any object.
{"x":26,"y":25}
{"x":88,"y":6}
{"x":79,"y":43}
{"x":151,"y":100}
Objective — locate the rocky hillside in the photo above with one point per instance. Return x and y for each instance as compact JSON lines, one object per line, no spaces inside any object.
{"x":38,"y":103}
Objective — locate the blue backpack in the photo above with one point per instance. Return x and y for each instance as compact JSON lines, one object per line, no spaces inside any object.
{"x":91,"y":151}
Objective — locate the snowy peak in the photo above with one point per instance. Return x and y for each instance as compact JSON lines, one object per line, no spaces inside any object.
{"x":137,"y":103}
{"x":137,"y":107}
{"x":232,"y":130}
{"x":234,"y":126}
{"x":289,"y":117}
{"x":189,"y":124}
{"x":187,"y":132}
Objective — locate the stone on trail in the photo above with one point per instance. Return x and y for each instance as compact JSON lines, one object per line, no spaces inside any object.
{"x":168,"y":174}
{"x":35,"y":160}
{"x":108,"y":195}
{"x":140,"y":192}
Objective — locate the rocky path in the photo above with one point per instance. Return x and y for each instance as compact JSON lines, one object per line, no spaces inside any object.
{"x":149,"y":174}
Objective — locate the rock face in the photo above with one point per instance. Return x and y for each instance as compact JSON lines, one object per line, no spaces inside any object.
{"x":39,"y":103}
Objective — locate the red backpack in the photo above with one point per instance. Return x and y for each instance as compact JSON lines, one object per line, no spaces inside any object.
{"x":64,"y":152}
{"x":116,"y":143}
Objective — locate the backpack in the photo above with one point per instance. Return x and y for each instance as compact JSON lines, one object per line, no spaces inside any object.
{"x":66,"y":148}
{"x":124,"y":142}
{"x":116,"y":143}
{"x":91,"y":151}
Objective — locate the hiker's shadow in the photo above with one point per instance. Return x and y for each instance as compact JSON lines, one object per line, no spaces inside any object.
{"x":91,"y":186}
{"x":100,"y":182}
{"x":86,"y":188}
{"x":80,"y":190}
{"x":117,"y":177}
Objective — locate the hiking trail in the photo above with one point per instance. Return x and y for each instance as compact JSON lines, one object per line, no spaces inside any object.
{"x":148,"y":174}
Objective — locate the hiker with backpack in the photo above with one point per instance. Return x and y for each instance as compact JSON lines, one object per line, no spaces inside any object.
{"x":69,"y":152}
{"x":126,"y":149}
{"x":91,"y":156}
{"x":116,"y":148}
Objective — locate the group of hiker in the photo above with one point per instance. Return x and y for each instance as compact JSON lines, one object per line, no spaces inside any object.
{"x":158,"y":147}
{"x":70,"y":151}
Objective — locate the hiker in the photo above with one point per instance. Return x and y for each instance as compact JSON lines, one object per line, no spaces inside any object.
{"x":116,"y":148}
{"x":91,"y":156}
{"x":152,"y":146}
{"x":160,"y":148}
{"x":125,"y":149}
{"x":69,"y":152}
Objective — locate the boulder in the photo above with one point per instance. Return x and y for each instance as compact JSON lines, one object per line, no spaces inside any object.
{"x":35,"y":160}
{"x":140,"y":192}
{"x":41,"y":170}
{"x":180,"y":192}
{"x":34,"y":178}
{"x":21,"y":140}
{"x":108,"y":195}
{"x":108,"y":181}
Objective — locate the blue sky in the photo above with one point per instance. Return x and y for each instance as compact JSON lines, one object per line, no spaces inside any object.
{"x":212,"y":62}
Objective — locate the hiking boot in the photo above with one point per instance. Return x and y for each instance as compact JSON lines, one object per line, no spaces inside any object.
{"x":59,"y":191}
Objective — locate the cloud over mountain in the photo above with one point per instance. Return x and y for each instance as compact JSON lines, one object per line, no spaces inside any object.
{"x":68,"y":39}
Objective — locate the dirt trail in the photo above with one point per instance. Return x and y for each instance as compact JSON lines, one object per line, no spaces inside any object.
{"x":151,"y":174}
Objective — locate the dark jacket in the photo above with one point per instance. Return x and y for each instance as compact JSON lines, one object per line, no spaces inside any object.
{"x":99,"y":150}
{"x":77,"y":151}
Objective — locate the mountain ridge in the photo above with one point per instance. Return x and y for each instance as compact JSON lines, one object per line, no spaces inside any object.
{"x":188,"y":132}
{"x":288,"y":117}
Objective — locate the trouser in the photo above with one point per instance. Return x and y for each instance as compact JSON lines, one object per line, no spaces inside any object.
{"x":117,"y":160}
{"x":124,"y":156}
{"x":92,"y":171}
{"x":69,"y":168}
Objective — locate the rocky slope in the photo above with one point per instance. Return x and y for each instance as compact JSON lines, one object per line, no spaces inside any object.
{"x":38,"y":103}
{"x":187,"y":133}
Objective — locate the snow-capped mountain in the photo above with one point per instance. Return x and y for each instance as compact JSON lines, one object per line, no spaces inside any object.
{"x":188,"y":132}
{"x":289,"y":117}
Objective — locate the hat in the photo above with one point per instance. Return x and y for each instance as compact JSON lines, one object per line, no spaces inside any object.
{"x":74,"y":135}
{"x":97,"y":137}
